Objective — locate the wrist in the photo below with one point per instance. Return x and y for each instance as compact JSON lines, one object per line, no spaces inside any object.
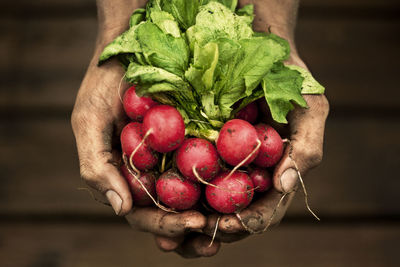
{"x":113,"y":18}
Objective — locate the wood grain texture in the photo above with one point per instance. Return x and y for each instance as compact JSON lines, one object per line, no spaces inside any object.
{"x":358,"y":175}
{"x":90,"y":245}
{"x":44,"y":60}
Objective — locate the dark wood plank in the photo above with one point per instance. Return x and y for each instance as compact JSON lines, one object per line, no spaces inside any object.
{"x":358,"y":175}
{"x":352,"y":3}
{"x":90,"y":245}
{"x":44,"y":60}
{"x":40,"y":171}
{"x":347,"y":56}
{"x":83,"y":3}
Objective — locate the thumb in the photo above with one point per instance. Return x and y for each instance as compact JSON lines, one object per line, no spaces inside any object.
{"x":98,"y":162}
{"x":304,"y":149}
{"x":103,"y":175}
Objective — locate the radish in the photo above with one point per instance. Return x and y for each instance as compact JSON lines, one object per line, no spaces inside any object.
{"x":131,"y":136}
{"x":261,"y":179}
{"x":165,"y":128}
{"x":271,"y":149}
{"x":176,"y":191}
{"x":238,"y":141}
{"x":199,"y":154}
{"x":232,"y":194}
{"x":136,"y":107}
{"x":248,"y":113}
{"x":139,"y":195}
{"x":266,"y":117}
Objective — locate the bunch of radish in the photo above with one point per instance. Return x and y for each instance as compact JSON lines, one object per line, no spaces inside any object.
{"x":166,"y":168}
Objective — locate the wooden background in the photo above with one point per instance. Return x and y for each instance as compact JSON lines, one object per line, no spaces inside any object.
{"x":352,"y":48}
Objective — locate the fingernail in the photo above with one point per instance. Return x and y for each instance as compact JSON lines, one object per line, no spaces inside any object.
{"x":115,"y":201}
{"x":289,"y":180}
{"x":195,"y":222}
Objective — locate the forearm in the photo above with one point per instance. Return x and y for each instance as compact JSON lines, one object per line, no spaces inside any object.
{"x":279,"y":15}
{"x":113,"y":17}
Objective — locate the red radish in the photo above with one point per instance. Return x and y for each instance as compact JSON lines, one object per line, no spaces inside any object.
{"x":232,"y":194}
{"x":166,"y":126}
{"x":261,"y":179}
{"x":271,"y":146}
{"x":136,"y":107}
{"x":266,"y":117}
{"x":237,"y":140}
{"x":248,"y":113}
{"x":176,"y":191}
{"x":200,"y":154}
{"x":139,"y":195}
{"x":131,"y":136}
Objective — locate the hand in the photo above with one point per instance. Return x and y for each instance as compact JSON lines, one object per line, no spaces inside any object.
{"x":98,"y":117}
{"x":179,"y":232}
{"x":97,"y":120}
{"x":304,"y":152}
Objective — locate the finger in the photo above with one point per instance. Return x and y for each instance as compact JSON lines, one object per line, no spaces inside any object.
{"x":266,"y":212}
{"x":168,"y":244}
{"x":224,"y":232}
{"x":306,"y":143}
{"x":98,"y":162}
{"x":198,"y":245}
{"x":166,"y":224}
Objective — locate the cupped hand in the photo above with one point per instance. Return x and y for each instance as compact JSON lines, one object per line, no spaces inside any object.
{"x":302,"y":153}
{"x":97,"y":120}
{"x":180,"y":232}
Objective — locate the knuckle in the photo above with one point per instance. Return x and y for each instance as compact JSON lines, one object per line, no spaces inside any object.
{"x":312,"y":157}
{"x":90,"y":175}
{"x":324,"y":105}
{"x":78,"y":119}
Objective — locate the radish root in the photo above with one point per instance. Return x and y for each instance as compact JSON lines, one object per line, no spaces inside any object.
{"x":136,"y":174}
{"x":244,"y":161}
{"x":136,"y":149}
{"x":251,"y":231}
{"x":201,"y":180}
{"x":304,"y":190}
{"x":301,"y":181}
{"x":274,"y":212}
{"x":163,"y":163}
{"x":119,"y":88}
{"x":215,"y":231}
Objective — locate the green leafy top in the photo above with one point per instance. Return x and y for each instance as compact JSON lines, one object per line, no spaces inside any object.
{"x":203,"y":57}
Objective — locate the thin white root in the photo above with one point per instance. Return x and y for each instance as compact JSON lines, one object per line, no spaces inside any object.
{"x":244,"y":161}
{"x":285,"y":140}
{"x":304,"y":190}
{"x":274,"y":212}
{"x":251,"y":231}
{"x":215,"y":231}
{"x":136,"y":149}
{"x":301,"y":181}
{"x":163,"y":163}
{"x":150,"y":196}
{"x":201,"y":180}
{"x":93,"y":196}
{"x":119,"y":89}
{"x":136,"y":174}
